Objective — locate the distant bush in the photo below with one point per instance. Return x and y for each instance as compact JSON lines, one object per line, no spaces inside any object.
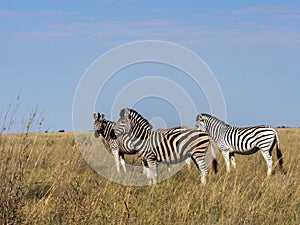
{"x":282,"y":127}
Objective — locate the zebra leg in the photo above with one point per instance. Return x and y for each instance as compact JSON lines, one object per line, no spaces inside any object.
{"x":169,"y":167}
{"x":146,"y":171}
{"x":232,"y":159}
{"x":214,"y":157}
{"x":153,"y":172}
{"x":123,"y":162}
{"x":145,"y":168}
{"x":188,"y":163}
{"x":268,"y":157}
{"x":115,"y":152}
{"x":226,"y":157}
{"x":202,"y":167}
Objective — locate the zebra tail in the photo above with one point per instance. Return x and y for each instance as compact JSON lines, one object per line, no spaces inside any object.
{"x":214,"y":162}
{"x":278,"y":151}
{"x":215,"y":165}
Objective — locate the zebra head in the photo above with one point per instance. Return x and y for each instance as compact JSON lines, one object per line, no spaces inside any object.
{"x":201,"y":122}
{"x":130,"y":122}
{"x":123,"y":125}
{"x":99,"y":124}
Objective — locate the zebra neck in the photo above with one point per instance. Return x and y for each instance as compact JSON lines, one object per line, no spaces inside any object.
{"x":144,"y":134}
{"x":140,"y":139}
{"x":108,"y":128}
{"x":216,"y":130}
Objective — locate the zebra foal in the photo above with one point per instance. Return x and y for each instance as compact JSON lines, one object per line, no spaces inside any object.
{"x":245,"y":141}
{"x":168,"y":147}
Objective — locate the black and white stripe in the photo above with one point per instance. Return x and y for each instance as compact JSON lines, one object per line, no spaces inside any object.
{"x":120,"y":146}
{"x":168,"y":147}
{"x":245,"y":141}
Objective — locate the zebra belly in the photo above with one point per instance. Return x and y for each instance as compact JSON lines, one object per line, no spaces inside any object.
{"x":246,"y":152}
{"x":172,"y":160}
{"x":131,"y":152}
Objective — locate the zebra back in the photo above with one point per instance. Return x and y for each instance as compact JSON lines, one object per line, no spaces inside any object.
{"x":171,"y":130}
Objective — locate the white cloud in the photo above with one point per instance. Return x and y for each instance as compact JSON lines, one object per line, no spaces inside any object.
{"x":10,"y":13}
{"x":156,"y":10}
{"x":179,"y":31}
{"x":41,"y":13}
{"x":254,"y":10}
{"x":275,"y":11}
{"x":215,"y":26}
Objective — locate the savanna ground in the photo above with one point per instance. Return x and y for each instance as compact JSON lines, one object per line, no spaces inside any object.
{"x":45,"y":180}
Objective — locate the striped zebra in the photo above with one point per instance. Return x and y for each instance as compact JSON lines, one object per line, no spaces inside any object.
{"x":168,"y":147}
{"x":119,"y":146}
{"x":245,"y":141}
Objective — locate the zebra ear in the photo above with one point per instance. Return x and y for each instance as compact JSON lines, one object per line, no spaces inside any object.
{"x":122,"y":112}
{"x":94,"y":116}
{"x":199,"y":117}
{"x":125,"y":113}
{"x":98,"y":115}
{"x":102,"y":117}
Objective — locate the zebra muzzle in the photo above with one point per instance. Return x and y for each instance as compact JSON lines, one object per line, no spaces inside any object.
{"x":96,"y":134}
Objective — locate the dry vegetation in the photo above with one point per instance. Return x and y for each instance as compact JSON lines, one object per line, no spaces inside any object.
{"x":45,"y":180}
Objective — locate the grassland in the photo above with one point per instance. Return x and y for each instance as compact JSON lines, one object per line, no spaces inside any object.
{"x":45,"y":180}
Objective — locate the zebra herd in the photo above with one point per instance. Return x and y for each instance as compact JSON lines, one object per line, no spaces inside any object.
{"x":133,"y":134}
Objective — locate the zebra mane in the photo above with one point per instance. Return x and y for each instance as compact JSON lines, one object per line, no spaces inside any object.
{"x":110,"y":122}
{"x":209,"y":117}
{"x":136,"y":116}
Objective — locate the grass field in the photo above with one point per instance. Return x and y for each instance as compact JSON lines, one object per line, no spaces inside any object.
{"x":45,"y":180}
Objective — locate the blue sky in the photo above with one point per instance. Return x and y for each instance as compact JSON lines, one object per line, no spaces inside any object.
{"x":253,"y":48}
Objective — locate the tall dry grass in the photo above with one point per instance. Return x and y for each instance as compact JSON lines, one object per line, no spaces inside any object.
{"x":45,"y":180}
{"x":15,"y":154}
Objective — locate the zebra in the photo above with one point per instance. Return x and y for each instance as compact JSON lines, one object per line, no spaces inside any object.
{"x":122,"y":145}
{"x":245,"y":141}
{"x":169,"y":147}
{"x":119,"y":146}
